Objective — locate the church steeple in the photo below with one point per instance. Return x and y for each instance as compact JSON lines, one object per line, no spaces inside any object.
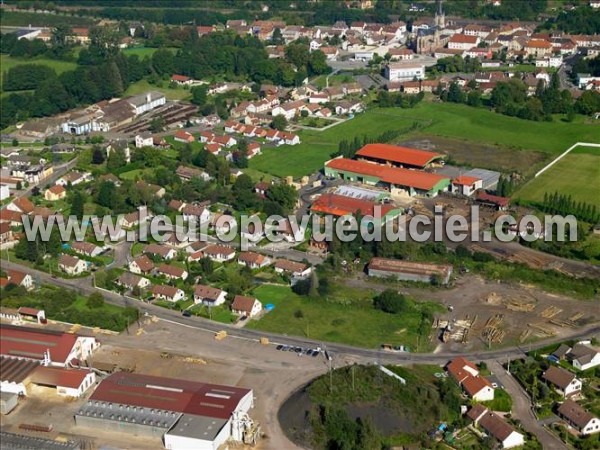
{"x":440,"y":18}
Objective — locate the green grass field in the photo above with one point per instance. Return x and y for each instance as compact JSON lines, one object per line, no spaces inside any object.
{"x":316,"y":146}
{"x":353,"y":321}
{"x":8,"y":62}
{"x":577,"y":174}
{"x":142,"y":52}
{"x":143,"y":86}
{"x":440,"y":119}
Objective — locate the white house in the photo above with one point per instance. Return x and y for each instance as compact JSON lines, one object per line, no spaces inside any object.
{"x":130,"y":281}
{"x":194,"y":212}
{"x":19,"y":278}
{"x":165,"y":252}
{"x":141,"y":265}
{"x":253,"y":260}
{"x":465,"y":185}
{"x":208,"y":295}
{"x":496,"y":427}
{"x":463,"y":42}
{"x":144,"y":140}
{"x":289,"y":138}
{"x":172,"y":272}
{"x":4,"y":192}
{"x":584,"y":357}
{"x":246,"y":306}
{"x":219,"y":253}
{"x":296,"y":269}
{"x":579,"y":418}
{"x":404,"y":71}
{"x":565,"y":382}
{"x":169,"y":293}
{"x":72,"y":265}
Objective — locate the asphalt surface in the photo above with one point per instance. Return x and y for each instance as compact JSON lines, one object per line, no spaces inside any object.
{"x":84,"y":286}
{"x":522,"y":408}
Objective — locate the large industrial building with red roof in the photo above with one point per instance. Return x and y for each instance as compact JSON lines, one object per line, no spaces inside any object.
{"x":340,"y":205}
{"x":393,"y":155}
{"x":399,"y":181}
{"x":185,"y":414}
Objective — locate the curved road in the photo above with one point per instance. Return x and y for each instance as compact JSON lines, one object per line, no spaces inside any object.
{"x":84,"y":286}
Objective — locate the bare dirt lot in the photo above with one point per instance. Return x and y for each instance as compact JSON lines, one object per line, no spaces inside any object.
{"x":493,"y":314}
{"x":481,"y":155}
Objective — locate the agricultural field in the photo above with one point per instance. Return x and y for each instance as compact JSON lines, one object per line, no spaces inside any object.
{"x":576,"y":174}
{"x":8,"y":62}
{"x":143,"y":86}
{"x":448,"y":120}
{"x":351,"y":320}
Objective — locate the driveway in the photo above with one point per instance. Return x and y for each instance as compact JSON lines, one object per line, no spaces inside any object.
{"x":522,"y":408}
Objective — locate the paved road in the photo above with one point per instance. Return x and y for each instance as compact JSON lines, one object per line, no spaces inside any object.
{"x":362,"y":355}
{"x":522,"y":408}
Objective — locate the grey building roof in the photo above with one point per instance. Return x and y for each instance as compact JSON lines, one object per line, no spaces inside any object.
{"x":139,"y":100}
{"x":11,"y":441}
{"x":125,"y":413}
{"x":197,"y":427}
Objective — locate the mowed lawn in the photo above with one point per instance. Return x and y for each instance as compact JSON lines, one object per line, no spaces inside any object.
{"x":438,"y":119}
{"x":8,"y":62}
{"x":353,"y":322}
{"x":143,"y":86}
{"x":577,"y":174}
{"x":316,"y":146}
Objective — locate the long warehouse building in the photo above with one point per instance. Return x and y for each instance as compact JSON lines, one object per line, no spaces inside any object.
{"x":185,"y":414}
{"x":394,"y":155}
{"x":398,"y":181}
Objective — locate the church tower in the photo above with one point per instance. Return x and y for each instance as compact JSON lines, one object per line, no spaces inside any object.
{"x":440,"y":18}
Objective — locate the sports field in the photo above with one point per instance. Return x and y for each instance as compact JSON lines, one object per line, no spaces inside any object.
{"x":577,"y":174}
{"x":8,"y":62}
{"x":475,"y":125}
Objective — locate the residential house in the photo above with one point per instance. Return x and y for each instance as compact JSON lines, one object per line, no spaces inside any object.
{"x":86,"y":248}
{"x":55,"y":193}
{"x":164,"y":252}
{"x":182,"y":80}
{"x":74,"y":178}
{"x":246,"y":306}
{"x":4,"y":192}
{"x":466,"y":374}
{"x":168,"y":293}
{"x":221,"y":222}
{"x":72,"y":265}
{"x":172,"y":272}
{"x":130,"y":280}
{"x":144,"y":140}
{"x":133,"y":218}
{"x":209,"y":296}
{"x":187,"y":173}
{"x":289,"y":138}
{"x":496,"y":427}
{"x":565,"y":382}
{"x":219,"y":253}
{"x":579,"y":418}
{"x":206,"y":136}
{"x":296,"y":269}
{"x":17,"y":277}
{"x":12,"y":218}
{"x":183,"y":136}
{"x":288,"y":110}
{"x":227,"y":141}
{"x":253,"y":150}
{"x":198,"y":213}
{"x":176,"y":205}
{"x":348,"y":107}
{"x":141,"y":265}
{"x":584,"y":357}
{"x":253,"y":260}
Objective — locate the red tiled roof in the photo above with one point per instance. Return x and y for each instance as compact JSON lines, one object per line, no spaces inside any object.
{"x":495,"y":199}
{"x":173,"y":271}
{"x":29,"y":343}
{"x":397,"y":154}
{"x":251,"y":258}
{"x":393,"y":175}
{"x":473,"y":385}
{"x":241,"y":303}
{"x":207,"y":292}
{"x":180,"y":78}
{"x":464,"y":180}
{"x":184,"y":135}
{"x":217,"y":249}
{"x":456,"y":368}
{"x":167,"y":291}
{"x":171,"y":394}
{"x":11,"y":216}
{"x":56,"y":376}
{"x":340,"y":205}
{"x":144,"y":263}
{"x":28,"y":311}
{"x":16,"y":276}
{"x":463,"y":39}
{"x":24,"y":204}
{"x":57,"y":189}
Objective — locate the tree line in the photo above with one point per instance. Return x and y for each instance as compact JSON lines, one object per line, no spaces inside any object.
{"x":556,"y":203}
